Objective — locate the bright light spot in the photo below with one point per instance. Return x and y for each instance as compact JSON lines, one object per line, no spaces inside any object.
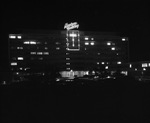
{"x":144,"y":64}
{"x":46,"y":48}
{"x":97,"y":62}
{"x":86,"y":38}
{"x":39,"y":53}
{"x":32,"y":42}
{"x":113,"y":48}
{"x":149,"y":64}
{"x":92,"y":43}
{"x":26,"y":42}
{"x":19,"y":48}
{"x":135,"y":69}
{"x":57,"y":79}
{"x":4,"y":83}
{"x":102,"y":62}
{"x":117,"y":54}
{"x":73,"y":35}
{"x":86,"y":72}
{"x":21,"y":68}
{"x":93,"y":72}
{"x":108,"y":77}
{"x":17,"y":73}
{"x":26,"y":68}
{"x":20,"y":58}
{"x":119,"y":62}
{"x":68,"y":68}
{"x":19,"y":37}
{"x":92,"y":38}
{"x":144,"y":69}
{"x":98,"y":53}
{"x":86,"y":43}
{"x":29,"y":42}
{"x":33,"y":53}
{"x":67,"y":58}
{"x":12,"y":36}
{"x":108,"y":43}
{"x":130,"y":65}
{"x":67,"y":63}
{"x":13,"y":64}
{"x":106,"y":67}
{"x":124,"y":72}
{"x":123,"y":39}
{"x":57,"y":48}
{"x":46,"y":53}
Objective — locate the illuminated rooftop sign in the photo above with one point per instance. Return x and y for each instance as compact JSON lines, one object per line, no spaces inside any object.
{"x":71,"y":25}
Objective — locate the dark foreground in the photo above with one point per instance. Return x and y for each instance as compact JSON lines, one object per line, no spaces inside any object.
{"x":111,"y":101}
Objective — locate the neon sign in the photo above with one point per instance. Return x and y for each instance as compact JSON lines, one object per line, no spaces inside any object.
{"x":71,"y":25}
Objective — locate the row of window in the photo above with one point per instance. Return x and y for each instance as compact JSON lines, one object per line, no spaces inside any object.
{"x":39,"y":53}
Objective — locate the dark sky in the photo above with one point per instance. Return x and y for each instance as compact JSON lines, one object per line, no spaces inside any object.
{"x":130,"y":18}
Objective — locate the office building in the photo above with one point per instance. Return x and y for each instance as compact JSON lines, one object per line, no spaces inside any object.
{"x":66,"y":53}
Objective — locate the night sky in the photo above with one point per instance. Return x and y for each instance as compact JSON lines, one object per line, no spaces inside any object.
{"x":130,"y":18}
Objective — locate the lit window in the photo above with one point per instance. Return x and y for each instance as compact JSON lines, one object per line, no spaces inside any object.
{"x":144,"y":69}
{"x":46,"y":48}
{"x":85,"y":48}
{"x":92,"y":43}
{"x":13,"y":64}
{"x":86,"y":43}
{"x":113,"y":48}
{"x":117,"y":54}
{"x":97,"y":62}
{"x":119,"y":62}
{"x":33,"y":53}
{"x":39,"y":53}
{"x":67,"y":63}
{"x":130,"y":65}
{"x":46,"y":53}
{"x":73,"y":35}
{"x":135,"y":69}
{"x":144,"y":64}
{"x":149,"y":64}
{"x":12,"y":36}
{"x":68,"y":68}
{"x":108,"y":43}
{"x":124,"y":72}
{"x":21,"y":68}
{"x":41,"y":58}
{"x":57,"y":43}
{"x":67,"y":58}
{"x":19,"y":48}
{"x":19,"y":37}
{"x":20,"y":58}
{"x":123,"y":39}
{"x":98,"y":53}
{"x":32,"y":42}
{"x":26,"y":42}
{"x":17,"y":73}
{"x":86,"y":38}
{"x":67,"y":53}
{"x":92,"y":38}
{"x":57,"y":48}
{"x":102,"y":62}
{"x":26,"y":68}
{"x":106,"y":67}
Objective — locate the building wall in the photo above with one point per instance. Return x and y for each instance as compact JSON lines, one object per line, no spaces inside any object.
{"x":37,"y":52}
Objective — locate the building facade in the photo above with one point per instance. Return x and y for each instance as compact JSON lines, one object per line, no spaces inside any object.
{"x":67,"y":53}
